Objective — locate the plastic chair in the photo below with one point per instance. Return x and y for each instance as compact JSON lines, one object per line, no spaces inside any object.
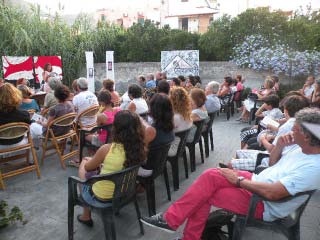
{"x":11,"y":131}
{"x":59,"y":142}
{"x":156,"y":161}
{"x":226,"y":102}
{"x":144,"y":115}
{"x":191,"y":146}
{"x":174,"y":160}
{"x":83,"y":143}
{"x":208,"y":133}
{"x":288,"y":226}
{"x":124,"y":193}
{"x":257,"y":104}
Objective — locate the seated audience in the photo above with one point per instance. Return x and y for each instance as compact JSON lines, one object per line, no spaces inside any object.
{"x":249,"y":103}
{"x":161,"y":130}
{"x":158,"y":77}
{"x":83,"y":100}
{"x":181,"y":104}
{"x":104,"y":118}
{"x":198,"y":81}
{"x":24,"y":81}
{"x":126,"y":150}
{"x":164,"y":76}
{"x":308,"y":87}
{"x":297,"y":171}
{"x":108,"y":84}
{"x":163,"y":87}
{"x":27,"y":103}
{"x":10,"y":99}
{"x":270,"y":108}
{"x":137,"y":104}
{"x":191,"y":82}
{"x":246,"y":158}
{"x":50,"y":100}
{"x":39,"y":128}
{"x":225,"y":87}
{"x":199,"y":112}
{"x":212,"y":103}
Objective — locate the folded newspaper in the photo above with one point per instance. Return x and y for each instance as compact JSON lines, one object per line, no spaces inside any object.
{"x":269,"y":121}
{"x":38,"y":117}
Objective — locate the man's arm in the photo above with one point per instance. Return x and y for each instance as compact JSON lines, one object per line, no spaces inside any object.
{"x":276,"y":153}
{"x":271,"y":191}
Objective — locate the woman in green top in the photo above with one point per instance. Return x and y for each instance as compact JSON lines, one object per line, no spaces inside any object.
{"x":126,"y":150}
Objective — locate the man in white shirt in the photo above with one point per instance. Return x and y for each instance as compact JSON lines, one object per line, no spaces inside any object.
{"x":83,"y":100}
{"x":297,"y":171}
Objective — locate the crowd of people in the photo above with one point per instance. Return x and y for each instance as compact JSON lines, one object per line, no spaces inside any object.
{"x":149,"y":114}
{"x":291,"y":167}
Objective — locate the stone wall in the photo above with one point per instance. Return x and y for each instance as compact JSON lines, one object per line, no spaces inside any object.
{"x":127,"y":72}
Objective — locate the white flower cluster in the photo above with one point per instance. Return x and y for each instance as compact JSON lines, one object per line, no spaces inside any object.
{"x":258,"y":53}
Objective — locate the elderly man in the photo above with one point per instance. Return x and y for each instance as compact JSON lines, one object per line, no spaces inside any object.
{"x":297,"y":171}
{"x":151,"y":83}
{"x":213,"y":102}
{"x":83,"y":100}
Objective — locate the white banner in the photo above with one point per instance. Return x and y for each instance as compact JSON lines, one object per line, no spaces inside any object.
{"x":90,"y":71}
{"x":110,"y":65}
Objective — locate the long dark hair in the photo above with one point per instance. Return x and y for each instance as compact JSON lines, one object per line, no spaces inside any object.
{"x":161,"y":111}
{"x":127,"y":130}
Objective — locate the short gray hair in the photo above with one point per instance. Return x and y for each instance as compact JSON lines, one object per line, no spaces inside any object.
{"x":213,"y":86}
{"x":54,"y":82}
{"x":309,"y":115}
{"x":82,"y":83}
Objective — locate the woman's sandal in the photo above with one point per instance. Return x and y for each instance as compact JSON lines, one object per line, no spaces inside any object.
{"x":88,"y":223}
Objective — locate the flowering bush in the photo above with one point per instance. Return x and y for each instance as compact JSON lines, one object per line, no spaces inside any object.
{"x":259,"y":54}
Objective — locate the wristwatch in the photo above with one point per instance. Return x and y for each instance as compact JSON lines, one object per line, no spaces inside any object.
{"x":240,"y":178}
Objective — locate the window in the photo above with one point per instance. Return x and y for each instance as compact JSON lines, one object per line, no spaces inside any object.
{"x":184,"y":24}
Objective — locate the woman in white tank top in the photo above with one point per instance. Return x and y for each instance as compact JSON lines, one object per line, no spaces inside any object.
{"x":137,"y":104}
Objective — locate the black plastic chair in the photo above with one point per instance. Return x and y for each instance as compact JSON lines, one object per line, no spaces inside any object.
{"x":124,"y":193}
{"x":174,"y":160}
{"x":257,"y":104}
{"x":226,"y":104}
{"x":192,"y":146}
{"x":207,"y":132}
{"x":83,"y":143}
{"x":144,"y":115}
{"x":157,"y":160}
{"x":288,"y":226}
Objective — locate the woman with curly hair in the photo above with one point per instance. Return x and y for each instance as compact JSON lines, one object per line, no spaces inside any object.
{"x":10,"y":100}
{"x":126,"y":150}
{"x":181,"y":104}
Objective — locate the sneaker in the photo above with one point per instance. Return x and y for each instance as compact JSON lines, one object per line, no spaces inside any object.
{"x":157,"y":221}
{"x":222,"y":165}
{"x":239,"y":119}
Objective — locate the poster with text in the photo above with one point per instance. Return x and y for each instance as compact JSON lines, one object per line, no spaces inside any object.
{"x":176,"y":63}
{"x":40,"y":61}
{"x":17,"y":67}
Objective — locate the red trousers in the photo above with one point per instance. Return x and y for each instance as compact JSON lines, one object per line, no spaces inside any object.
{"x":211,"y":188}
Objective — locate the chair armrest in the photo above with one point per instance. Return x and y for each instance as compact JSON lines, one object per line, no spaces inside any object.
{"x":255,"y":199}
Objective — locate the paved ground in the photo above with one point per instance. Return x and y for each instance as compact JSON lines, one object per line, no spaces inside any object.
{"x":44,"y":201}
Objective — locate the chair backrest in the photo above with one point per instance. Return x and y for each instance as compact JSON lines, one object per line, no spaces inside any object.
{"x":157,"y":157}
{"x":226,"y":99}
{"x":90,"y":112}
{"x":183,"y":135}
{"x":11,"y":131}
{"x":210,"y":122}
{"x":107,"y":128}
{"x":66,"y":120}
{"x":125,"y":184}
{"x":200,"y":125}
{"x":294,"y":217}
